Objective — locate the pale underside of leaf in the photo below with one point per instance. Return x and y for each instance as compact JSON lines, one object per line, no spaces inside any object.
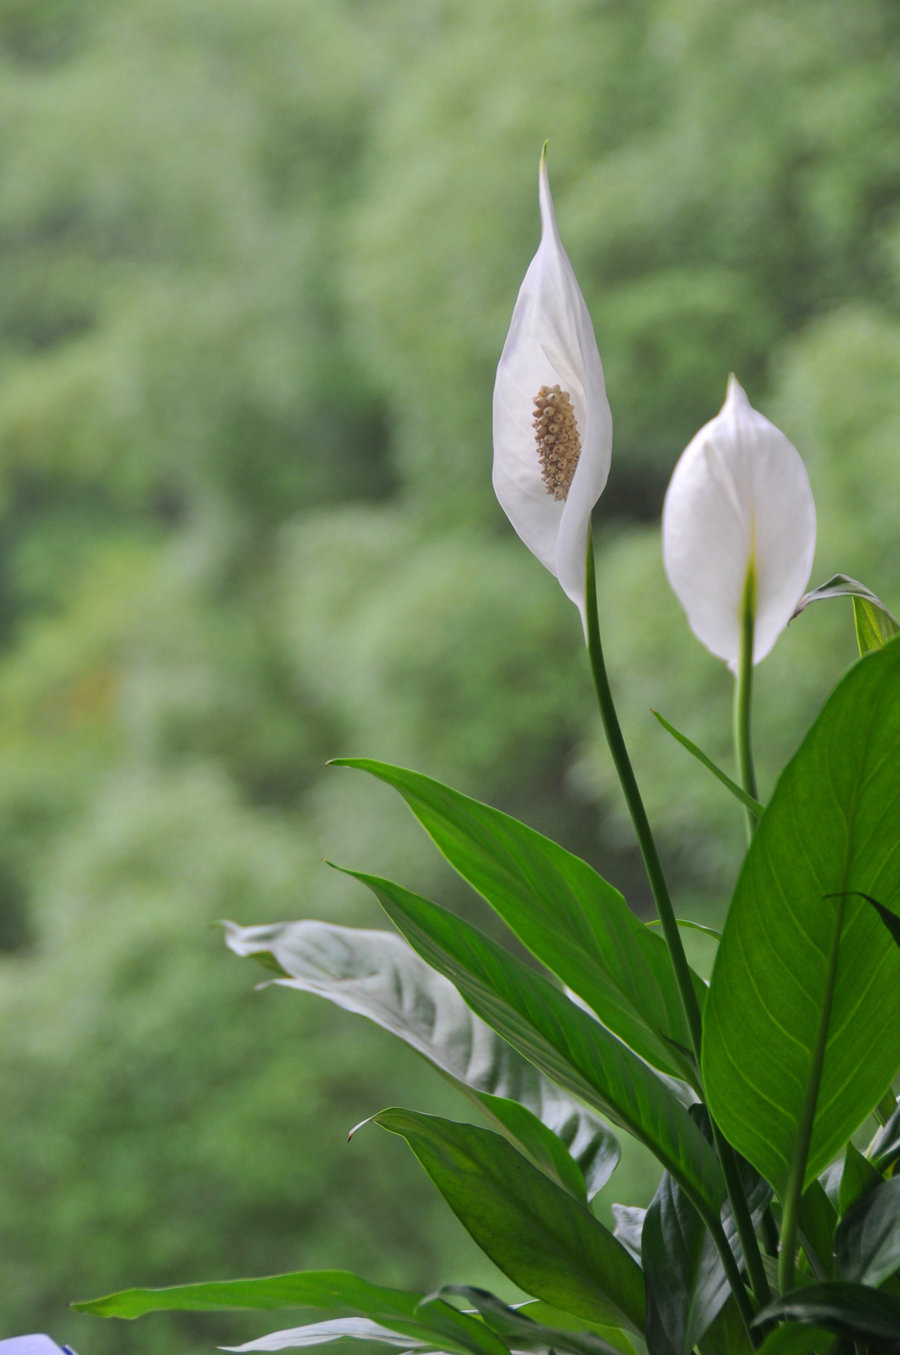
{"x":379,"y":976}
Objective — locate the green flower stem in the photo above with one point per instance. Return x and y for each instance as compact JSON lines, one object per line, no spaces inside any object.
{"x":743,"y":692}
{"x":643,"y":831}
{"x":664,"y":908}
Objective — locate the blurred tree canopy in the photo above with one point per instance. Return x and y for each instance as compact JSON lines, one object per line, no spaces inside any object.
{"x":258,"y":261}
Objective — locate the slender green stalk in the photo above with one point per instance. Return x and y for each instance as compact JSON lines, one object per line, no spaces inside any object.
{"x":622,"y":762}
{"x":666,"y":912}
{"x":794,"y":1189}
{"x":743,"y":692}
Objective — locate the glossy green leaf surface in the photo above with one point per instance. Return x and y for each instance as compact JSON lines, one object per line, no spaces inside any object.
{"x":524,"y":1332}
{"x":800,"y":972}
{"x":379,"y":976}
{"x":563,"y":1041}
{"x":536,"y":1234}
{"x":727,"y":1334}
{"x":818,"y":1219}
{"x":415,"y":1315}
{"x":616,"y":1336}
{"x":567,"y":915}
{"x":852,"y":1310}
{"x":685,"y":1287}
{"x":857,"y":1178}
{"x":686,"y":1283}
{"x":539,"y":1144}
{"x":874,"y":624}
{"x":867,"y":1241}
{"x":798,"y":1339}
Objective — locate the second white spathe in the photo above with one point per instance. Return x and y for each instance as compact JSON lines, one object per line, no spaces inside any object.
{"x":739,"y":499}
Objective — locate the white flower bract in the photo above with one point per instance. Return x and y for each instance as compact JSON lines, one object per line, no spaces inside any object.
{"x":739,"y":499}
{"x":551,"y":347}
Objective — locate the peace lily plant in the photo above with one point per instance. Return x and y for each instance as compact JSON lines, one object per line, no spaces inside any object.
{"x":766,"y":1095}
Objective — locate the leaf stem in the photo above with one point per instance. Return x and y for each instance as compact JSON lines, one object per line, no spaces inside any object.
{"x":743,"y":692}
{"x":664,"y":908}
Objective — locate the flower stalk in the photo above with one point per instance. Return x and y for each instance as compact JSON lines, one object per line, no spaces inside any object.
{"x":666,"y":912}
{"x":743,"y":694}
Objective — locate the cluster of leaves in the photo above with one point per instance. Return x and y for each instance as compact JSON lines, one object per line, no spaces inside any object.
{"x":258,"y":262}
{"x":801,"y":1042}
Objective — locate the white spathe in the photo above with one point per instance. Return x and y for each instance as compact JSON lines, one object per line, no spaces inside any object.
{"x":739,"y":498}
{"x":551,"y":343}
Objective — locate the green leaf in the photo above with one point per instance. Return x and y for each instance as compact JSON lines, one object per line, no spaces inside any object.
{"x":567,"y":915}
{"x":875,"y":625}
{"x":534,"y":1232}
{"x":563,"y":1041}
{"x":857,"y":1178}
{"x":756,"y":809}
{"x":727,"y":1334}
{"x":887,"y":1147}
{"x":867,"y":1241}
{"x":802,"y":1025}
{"x":539,"y":1144}
{"x":686,"y":1283}
{"x":818,"y":1220}
{"x":522,"y":1332}
{"x":851,"y":1310}
{"x":566,"y":1323}
{"x":415,"y":1315}
{"x":685,"y":1288}
{"x":798,"y":1339}
{"x":379,"y":976}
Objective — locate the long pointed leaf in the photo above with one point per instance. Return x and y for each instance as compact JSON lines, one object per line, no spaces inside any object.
{"x":756,"y":809}
{"x":523,"y":1332}
{"x":561,"y":1040}
{"x":379,"y":976}
{"x":415,"y":1315}
{"x":686,"y":1283}
{"x":542,"y":1239}
{"x":567,"y":915}
{"x":617,"y":1336}
{"x":852,"y":1310}
{"x":867,"y":1241}
{"x":802,"y":1025}
{"x":818,"y":1219}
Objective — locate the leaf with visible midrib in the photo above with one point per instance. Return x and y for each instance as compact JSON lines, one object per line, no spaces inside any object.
{"x":417,"y":1315}
{"x":563,"y":1041}
{"x":378,"y":975}
{"x":549,"y":1245}
{"x":831,"y":829}
{"x":568,"y":916}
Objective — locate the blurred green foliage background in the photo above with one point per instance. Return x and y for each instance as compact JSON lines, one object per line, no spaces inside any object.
{"x":258,"y":260}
